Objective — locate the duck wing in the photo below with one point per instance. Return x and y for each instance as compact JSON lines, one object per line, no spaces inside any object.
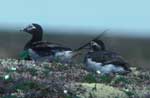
{"x":43,"y":48}
{"x":106,"y":57}
{"x":109,"y":57}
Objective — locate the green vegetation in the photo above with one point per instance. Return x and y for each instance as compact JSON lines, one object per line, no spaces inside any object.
{"x":129,"y":93}
{"x":27,"y":79}
{"x":106,"y":79}
{"x":121,"y":79}
{"x":10,"y":96}
{"x":24,"y":55}
{"x":90,"y":78}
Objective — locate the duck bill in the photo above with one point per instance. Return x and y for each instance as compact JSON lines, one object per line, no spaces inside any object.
{"x":25,"y":30}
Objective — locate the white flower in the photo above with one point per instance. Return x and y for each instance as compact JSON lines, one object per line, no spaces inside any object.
{"x":127,"y":90}
{"x":34,"y":65}
{"x":98,"y":72}
{"x":65,"y":91}
{"x":16,"y":62}
{"x":6,"y":77}
{"x":13,"y":68}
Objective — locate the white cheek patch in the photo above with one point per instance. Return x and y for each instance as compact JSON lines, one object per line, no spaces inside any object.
{"x":31,"y":27}
{"x":94,"y":44}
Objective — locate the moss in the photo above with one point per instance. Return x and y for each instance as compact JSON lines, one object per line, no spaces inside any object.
{"x":46,"y":70}
{"x":10,"y":96}
{"x":105,"y":78}
{"x":90,"y":78}
{"x":32,"y":71}
{"x":24,"y":55}
{"x":26,"y":85}
{"x":122,"y":79}
{"x":129,"y":93}
{"x":67,"y":96}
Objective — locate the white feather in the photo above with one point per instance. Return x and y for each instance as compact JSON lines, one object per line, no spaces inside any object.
{"x":105,"y":69}
{"x":34,"y":56}
{"x":94,"y":66}
{"x":64,"y":56}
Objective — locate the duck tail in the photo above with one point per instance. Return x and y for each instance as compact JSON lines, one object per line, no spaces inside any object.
{"x":100,"y":35}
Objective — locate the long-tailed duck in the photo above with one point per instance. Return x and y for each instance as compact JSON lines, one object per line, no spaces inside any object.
{"x":99,"y":59}
{"x":39,"y":50}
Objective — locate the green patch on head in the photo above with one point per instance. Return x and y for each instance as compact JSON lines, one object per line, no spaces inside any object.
{"x":24,"y":55}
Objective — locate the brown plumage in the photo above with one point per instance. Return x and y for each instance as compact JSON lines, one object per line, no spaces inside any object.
{"x":99,"y":54}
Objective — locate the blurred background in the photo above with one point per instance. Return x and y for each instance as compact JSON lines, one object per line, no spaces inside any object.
{"x":73,"y":23}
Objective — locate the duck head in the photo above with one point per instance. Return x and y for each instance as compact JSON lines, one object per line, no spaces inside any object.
{"x":35,"y":30}
{"x":97,"y":45}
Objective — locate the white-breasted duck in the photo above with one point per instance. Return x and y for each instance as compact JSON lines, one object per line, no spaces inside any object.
{"x":39,"y":50}
{"x":98,"y":59}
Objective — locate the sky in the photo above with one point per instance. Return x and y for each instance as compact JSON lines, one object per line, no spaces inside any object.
{"x":116,"y":15}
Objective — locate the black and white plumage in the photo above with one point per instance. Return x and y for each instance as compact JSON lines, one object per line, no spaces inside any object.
{"x":39,"y":50}
{"x":100,"y":59}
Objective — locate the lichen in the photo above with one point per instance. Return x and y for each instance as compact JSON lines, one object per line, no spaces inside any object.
{"x":102,"y":91}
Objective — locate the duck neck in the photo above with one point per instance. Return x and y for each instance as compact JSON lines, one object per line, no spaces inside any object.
{"x":35,"y":38}
{"x":103,"y":48}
